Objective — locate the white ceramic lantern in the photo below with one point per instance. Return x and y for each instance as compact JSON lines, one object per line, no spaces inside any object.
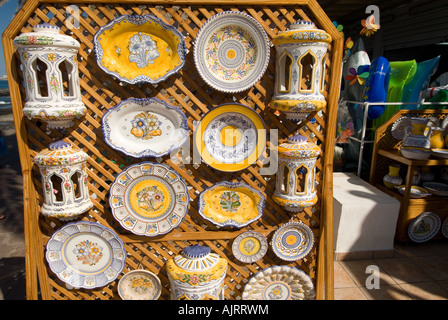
{"x":197,"y":274}
{"x":50,"y":69}
{"x":64,"y":181}
{"x":300,"y":70}
{"x":295,"y":179}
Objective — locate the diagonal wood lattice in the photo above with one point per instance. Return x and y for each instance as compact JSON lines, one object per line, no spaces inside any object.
{"x":187,"y":91}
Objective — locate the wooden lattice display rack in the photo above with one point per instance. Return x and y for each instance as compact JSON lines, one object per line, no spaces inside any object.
{"x":187,"y":91}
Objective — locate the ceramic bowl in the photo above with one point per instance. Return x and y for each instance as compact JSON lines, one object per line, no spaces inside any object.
{"x":415,"y":153}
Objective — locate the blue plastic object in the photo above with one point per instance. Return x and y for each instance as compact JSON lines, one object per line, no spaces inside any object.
{"x":377,"y":85}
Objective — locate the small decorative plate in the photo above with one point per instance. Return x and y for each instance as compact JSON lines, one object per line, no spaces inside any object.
{"x":279,"y":283}
{"x":144,"y":127}
{"x":424,"y":227}
{"x":231,"y":204}
{"x":230,"y":137}
{"x":416,"y":191}
{"x":149,"y":199}
{"x":249,"y":246}
{"x":292,"y":241}
{"x":445,"y":228}
{"x":86,"y":254}
{"x":436,"y":188}
{"x":231,"y":51}
{"x":398,"y":129}
{"x":139,"y":285}
{"x":440,"y":153}
{"x":137,"y":49}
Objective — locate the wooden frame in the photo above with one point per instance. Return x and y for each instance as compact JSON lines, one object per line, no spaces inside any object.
{"x":189,"y":93}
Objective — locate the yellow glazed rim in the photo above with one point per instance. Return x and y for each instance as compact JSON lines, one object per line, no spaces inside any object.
{"x":308,"y":35}
{"x":288,"y":105}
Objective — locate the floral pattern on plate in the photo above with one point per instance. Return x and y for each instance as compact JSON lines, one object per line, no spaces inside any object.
{"x":424,"y":227}
{"x":139,"y":285}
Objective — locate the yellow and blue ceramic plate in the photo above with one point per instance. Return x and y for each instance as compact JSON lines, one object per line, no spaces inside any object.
{"x":139,"y":285}
{"x":424,"y":227}
{"x":249,"y":246}
{"x":292,"y":241}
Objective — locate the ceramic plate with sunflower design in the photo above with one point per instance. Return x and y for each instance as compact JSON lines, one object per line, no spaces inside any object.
{"x":139,"y":285}
{"x":249,"y":246}
{"x":149,"y":199}
{"x":292,"y":241}
{"x":144,"y":127}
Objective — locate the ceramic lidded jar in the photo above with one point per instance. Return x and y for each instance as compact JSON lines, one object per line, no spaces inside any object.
{"x":50,"y":70}
{"x":64,"y":181}
{"x":300,"y":70}
{"x":295,"y":187}
{"x":197,"y":274}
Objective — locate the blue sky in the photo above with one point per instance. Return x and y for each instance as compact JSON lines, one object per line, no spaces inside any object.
{"x":7,"y":11}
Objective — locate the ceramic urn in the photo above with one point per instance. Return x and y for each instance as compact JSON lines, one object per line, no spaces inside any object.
{"x":64,"y":181}
{"x":300,"y":70}
{"x":50,"y":71}
{"x":197,"y":274}
{"x":295,"y":187}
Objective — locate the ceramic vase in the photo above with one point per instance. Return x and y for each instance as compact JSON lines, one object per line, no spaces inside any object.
{"x":50,"y":71}
{"x":300,"y":70}
{"x":197,"y":274}
{"x":295,"y":179}
{"x":418,"y":135}
{"x":64,"y":181}
{"x":437,"y":139}
{"x":393,"y":178}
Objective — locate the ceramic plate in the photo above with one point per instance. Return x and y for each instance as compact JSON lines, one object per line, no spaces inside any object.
{"x":416,"y":191}
{"x":440,"y":153}
{"x":250,"y":246}
{"x":279,"y":283}
{"x":139,"y":285}
{"x":231,"y":51}
{"x":231,"y":204}
{"x":137,"y":49}
{"x":437,"y":188}
{"x":149,"y":199}
{"x":230,"y":137}
{"x":399,"y":127}
{"x":292,"y":241}
{"x":86,"y":254}
{"x":424,"y":227}
{"x":144,"y":127}
{"x":445,"y":228}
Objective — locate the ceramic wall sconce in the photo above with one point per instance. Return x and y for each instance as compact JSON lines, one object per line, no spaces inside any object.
{"x":197,"y":274}
{"x":300,"y":70}
{"x":50,"y":70}
{"x":295,"y":180}
{"x":64,"y":181}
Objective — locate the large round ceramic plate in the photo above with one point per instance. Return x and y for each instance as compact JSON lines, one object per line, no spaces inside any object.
{"x":398,"y":128}
{"x":137,"y":49}
{"x":292,"y":241}
{"x":144,"y":127}
{"x":139,"y":285}
{"x":230,"y":137}
{"x":231,"y":204}
{"x":436,"y":188}
{"x":231,"y":51}
{"x":424,"y":227}
{"x":279,"y":283}
{"x":250,"y":246}
{"x":86,"y":254}
{"x":149,"y":199}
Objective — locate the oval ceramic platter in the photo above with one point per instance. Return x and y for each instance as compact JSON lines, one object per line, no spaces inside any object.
{"x":149,"y":199}
{"x":230,"y":137}
{"x":416,"y":191}
{"x":279,"y":283}
{"x":231,"y":51}
{"x":86,"y":254}
{"x":292,"y":241}
{"x":436,"y":188}
{"x":249,"y":246}
{"x":231,"y":204}
{"x":139,"y":285}
{"x":144,"y":127}
{"x":424,"y":227}
{"x":137,"y":49}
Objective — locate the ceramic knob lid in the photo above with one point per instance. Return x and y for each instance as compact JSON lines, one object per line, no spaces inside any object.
{"x":196,"y":251}
{"x":302,"y":31}
{"x":59,"y":145}
{"x":60,"y":153}
{"x":46,"y":35}
{"x":298,"y":147}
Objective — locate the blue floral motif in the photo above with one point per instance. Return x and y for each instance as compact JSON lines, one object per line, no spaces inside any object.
{"x":143,"y":50}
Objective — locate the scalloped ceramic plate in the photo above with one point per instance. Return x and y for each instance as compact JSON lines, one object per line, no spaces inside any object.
{"x":436,"y":188}
{"x":144,"y":127}
{"x":86,"y":254}
{"x":424,"y":227}
{"x":249,"y":246}
{"x":137,"y":49}
{"x":139,"y":285}
{"x":279,"y":283}
{"x":231,"y":204}
{"x":149,"y":199}
{"x":292,"y":241}
{"x":231,"y":51}
{"x":398,"y":128}
{"x":230,"y":137}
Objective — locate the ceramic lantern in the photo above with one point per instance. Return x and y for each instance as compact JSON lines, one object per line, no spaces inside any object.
{"x":295,"y":179}
{"x":197,"y":274}
{"x":64,"y":181}
{"x":51,"y":79}
{"x":300,"y":70}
